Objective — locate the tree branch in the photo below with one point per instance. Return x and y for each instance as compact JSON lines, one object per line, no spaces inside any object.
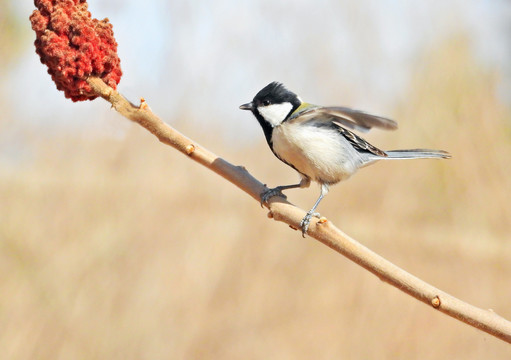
{"x":321,"y":230}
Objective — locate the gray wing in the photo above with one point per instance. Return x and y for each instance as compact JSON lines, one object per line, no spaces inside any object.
{"x":360,"y":144}
{"x":350,"y":118}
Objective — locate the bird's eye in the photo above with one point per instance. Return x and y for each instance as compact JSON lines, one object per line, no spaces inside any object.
{"x":266,"y":102}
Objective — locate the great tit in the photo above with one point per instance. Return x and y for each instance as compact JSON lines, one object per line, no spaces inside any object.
{"x":318,"y":141}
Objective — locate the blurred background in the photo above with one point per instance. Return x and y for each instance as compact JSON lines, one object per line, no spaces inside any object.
{"x":114,"y":246}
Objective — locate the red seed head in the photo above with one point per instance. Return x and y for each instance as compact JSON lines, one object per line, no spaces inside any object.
{"x":74,"y":46}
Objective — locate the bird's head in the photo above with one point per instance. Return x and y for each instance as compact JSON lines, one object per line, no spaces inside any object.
{"x":273,"y":104}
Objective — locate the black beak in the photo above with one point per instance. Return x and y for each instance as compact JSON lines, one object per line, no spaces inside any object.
{"x":247,"y":106}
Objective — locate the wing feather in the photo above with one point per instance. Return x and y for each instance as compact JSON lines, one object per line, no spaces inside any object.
{"x":360,"y":144}
{"x":350,"y":118}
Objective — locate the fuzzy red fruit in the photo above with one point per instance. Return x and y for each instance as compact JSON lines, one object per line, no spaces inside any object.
{"x":74,"y":46}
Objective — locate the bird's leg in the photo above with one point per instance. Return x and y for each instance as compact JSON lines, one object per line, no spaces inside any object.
{"x":277,"y":191}
{"x":312,"y":212}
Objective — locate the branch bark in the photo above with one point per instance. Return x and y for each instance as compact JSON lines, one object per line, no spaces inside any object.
{"x":323,"y":231}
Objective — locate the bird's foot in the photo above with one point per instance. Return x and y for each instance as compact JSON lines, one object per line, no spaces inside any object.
{"x":268,"y":194}
{"x":304,"y":224}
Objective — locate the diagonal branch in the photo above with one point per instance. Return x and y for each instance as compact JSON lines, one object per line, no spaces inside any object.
{"x":322,"y":230}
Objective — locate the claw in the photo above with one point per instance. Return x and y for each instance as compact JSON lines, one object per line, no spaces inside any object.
{"x":268,"y":194}
{"x":304,"y":224}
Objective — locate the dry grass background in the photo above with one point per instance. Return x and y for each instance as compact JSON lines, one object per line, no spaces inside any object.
{"x":125,"y":249}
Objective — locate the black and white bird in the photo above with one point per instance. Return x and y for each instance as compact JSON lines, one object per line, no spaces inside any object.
{"x":318,"y":141}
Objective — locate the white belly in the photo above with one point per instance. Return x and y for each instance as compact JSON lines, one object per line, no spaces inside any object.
{"x":322,"y":154}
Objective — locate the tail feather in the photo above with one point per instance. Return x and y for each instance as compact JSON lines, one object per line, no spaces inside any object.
{"x":417,"y":154}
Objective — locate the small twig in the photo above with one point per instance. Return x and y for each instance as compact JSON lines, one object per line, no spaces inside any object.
{"x":322,"y":230}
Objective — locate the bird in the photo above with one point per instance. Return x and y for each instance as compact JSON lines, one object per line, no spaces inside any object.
{"x":319,"y":142}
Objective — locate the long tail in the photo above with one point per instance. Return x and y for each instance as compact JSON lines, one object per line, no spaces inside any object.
{"x":417,"y":154}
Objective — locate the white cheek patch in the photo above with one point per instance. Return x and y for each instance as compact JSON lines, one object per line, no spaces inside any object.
{"x":275,"y":114}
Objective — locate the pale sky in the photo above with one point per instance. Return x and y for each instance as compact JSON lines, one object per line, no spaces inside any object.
{"x":201,"y":59}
